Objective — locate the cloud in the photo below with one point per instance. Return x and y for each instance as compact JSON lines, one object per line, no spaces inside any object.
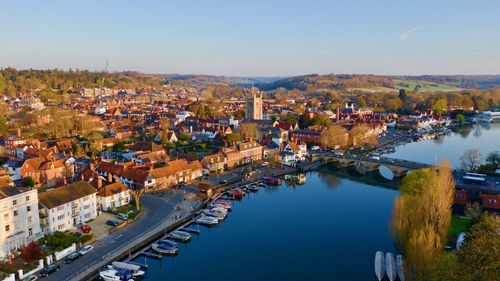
{"x":403,"y":36}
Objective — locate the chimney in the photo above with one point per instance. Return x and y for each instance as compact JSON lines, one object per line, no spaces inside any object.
{"x":99,"y":182}
{"x":110,"y":178}
{"x":19,"y":132}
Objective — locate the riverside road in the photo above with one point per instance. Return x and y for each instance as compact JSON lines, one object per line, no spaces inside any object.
{"x":156,"y":211}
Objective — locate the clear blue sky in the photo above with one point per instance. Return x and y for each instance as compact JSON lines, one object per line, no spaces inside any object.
{"x":254,"y":38}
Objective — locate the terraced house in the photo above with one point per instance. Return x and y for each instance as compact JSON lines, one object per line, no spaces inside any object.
{"x":65,"y":207}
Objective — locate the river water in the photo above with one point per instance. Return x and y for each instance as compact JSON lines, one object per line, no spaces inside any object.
{"x":326,"y":229}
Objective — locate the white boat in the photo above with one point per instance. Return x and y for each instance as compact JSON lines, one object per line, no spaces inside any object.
{"x":116,"y":275}
{"x":168,"y":242}
{"x":180,"y":235}
{"x":400,"y":268}
{"x":379,"y":265}
{"x":206,"y":220}
{"x":390,"y":266}
{"x":218,"y":216}
{"x":164,"y":249}
{"x":135,"y":269}
{"x":225,"y":205}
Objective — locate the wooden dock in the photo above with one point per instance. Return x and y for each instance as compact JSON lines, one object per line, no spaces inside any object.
{"x":151,"y":255}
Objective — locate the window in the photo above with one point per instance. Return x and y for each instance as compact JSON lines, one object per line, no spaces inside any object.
{"x":30,"y":232}
{"x":60,"y":227}
{"x":14,"y":202}
{"x":7,"y":228}
{"x":60,"y":208}
{"x":29,"y":219}
{"x":15,"y":213}
{"x":5,"y":216}
{"x":28,"y":208}
{"x":27,"y":198}
{"x":60,"y":217}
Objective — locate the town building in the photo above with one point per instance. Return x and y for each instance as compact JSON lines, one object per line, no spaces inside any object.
{"x":64,"y":208}
{"x":253,"y":106}
{"x":19,"y":219}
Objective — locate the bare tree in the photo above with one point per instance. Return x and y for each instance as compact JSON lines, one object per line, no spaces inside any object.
{"x":248,"y":131}
{"x":471,"y":159}
{"x":333,"y":136}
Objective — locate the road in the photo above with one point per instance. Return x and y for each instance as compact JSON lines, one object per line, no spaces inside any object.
{"x":156,"y":210}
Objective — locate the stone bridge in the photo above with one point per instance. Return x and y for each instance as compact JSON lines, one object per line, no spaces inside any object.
{"x":365,"y":164}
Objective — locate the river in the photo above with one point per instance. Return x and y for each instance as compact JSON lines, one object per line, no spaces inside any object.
{"x":326,"y":229}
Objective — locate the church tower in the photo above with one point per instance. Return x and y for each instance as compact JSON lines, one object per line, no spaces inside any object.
{"x":253,"y":106}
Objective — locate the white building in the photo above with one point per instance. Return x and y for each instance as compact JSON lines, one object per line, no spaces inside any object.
{"x":112,"y":196}
{"x":66,"y":207}
{"x":183,"y":115}
{"x":19,"y":219}
{"x":293,"y":153}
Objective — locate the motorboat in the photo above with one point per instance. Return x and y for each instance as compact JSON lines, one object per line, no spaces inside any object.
{"x":253,"y":188}
{"x":400,"y":268}
{"x":379,"y":265}
{"x":168,"y":242}
{"x":180,"y":235}
{"x":237,"y":193}
{"x":390,"y":266}
{"x":135,"y":269}
{"x":222,"y":204}
{"x":211,"y":214}
{"x":218,"y":210}
{"x":262,"y":184}
{"x":206,"y":220}
{"x":116,"y":275}
{"x":164,"y":249}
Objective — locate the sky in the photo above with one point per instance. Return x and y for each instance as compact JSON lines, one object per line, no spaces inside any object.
{"x":254,"y":38}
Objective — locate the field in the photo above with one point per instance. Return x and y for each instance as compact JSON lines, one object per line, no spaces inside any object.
{"x":458,"y":224}
{"x":423,"y":86}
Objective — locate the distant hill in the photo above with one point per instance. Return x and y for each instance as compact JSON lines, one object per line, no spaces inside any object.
{"x":204,"y":80}
{"x":378,"y":83}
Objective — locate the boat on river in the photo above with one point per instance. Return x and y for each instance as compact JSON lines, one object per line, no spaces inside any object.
{"x":379,"y":265}
{"x":168,"y":242}
{"x":390,"y":266}
{"x":213,"y":214}
{"x":253,"y":188}
{"x":222,"y":204}
{"x":116,"y":275}
{"x":164,"y":249}
{"x":135,"y":269}
{"x":206,"y":220}
{"x":399,"y":266}
{"x":272,"y":181}
{"x":180,"y":235}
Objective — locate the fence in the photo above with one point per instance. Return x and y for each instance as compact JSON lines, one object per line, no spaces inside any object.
{"x":62,"y":254}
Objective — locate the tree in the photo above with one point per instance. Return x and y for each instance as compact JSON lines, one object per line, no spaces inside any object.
{"x":233,"y":138}
{"x":334,"y":135}
{"x":248,"y":131}
{"x":479,"y":256}
{"x":402,"y":95}
{"x":460,"y":118}
{"x":421,"y":219}
{"x":31,"y":252}
{"x":361,"y":135}
{"x":3,"y":83}
{"x":440,"y":106}
{"x":29,"y":181}
{"x":4,"y":127}
{"x":137,"y":194}
{"x":493,"y":159}
{"x":471,"y":160}
{"x":165,"y":124}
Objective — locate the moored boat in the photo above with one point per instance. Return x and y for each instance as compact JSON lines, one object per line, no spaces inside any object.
{"x":253,"y":188}
{"x":180,"y":235}
{"x":168,"y":242}
{"x":390,"y":266}
{"x":400,"y":268}
{"x":379,"y":265}
{"x":222,"y":204}
{"x":164,"y":249}
{"x":206,"y":220}
{"x":272,"y":181}
{"x":218,"y":216}
{"x":135,"y":269}
{"x":116,"y":275}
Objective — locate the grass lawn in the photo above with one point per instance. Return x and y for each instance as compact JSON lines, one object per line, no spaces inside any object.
{"x":458,"y":224}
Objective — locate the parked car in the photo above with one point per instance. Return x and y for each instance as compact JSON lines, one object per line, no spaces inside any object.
{"x":71,"y":257}
{"x":86,"y":228}
{"x":83,"y":251}
{"x":122,"y":216}
{"x":223,"y":182}
{"x":49,"y":269}
{"x":30,"y":278}
{"x":112,"y":223}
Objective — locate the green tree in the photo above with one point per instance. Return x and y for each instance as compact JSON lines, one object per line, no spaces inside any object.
{"x":460,"y":118}
{"x":440,"y":106}
{"x":29,"y":181}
